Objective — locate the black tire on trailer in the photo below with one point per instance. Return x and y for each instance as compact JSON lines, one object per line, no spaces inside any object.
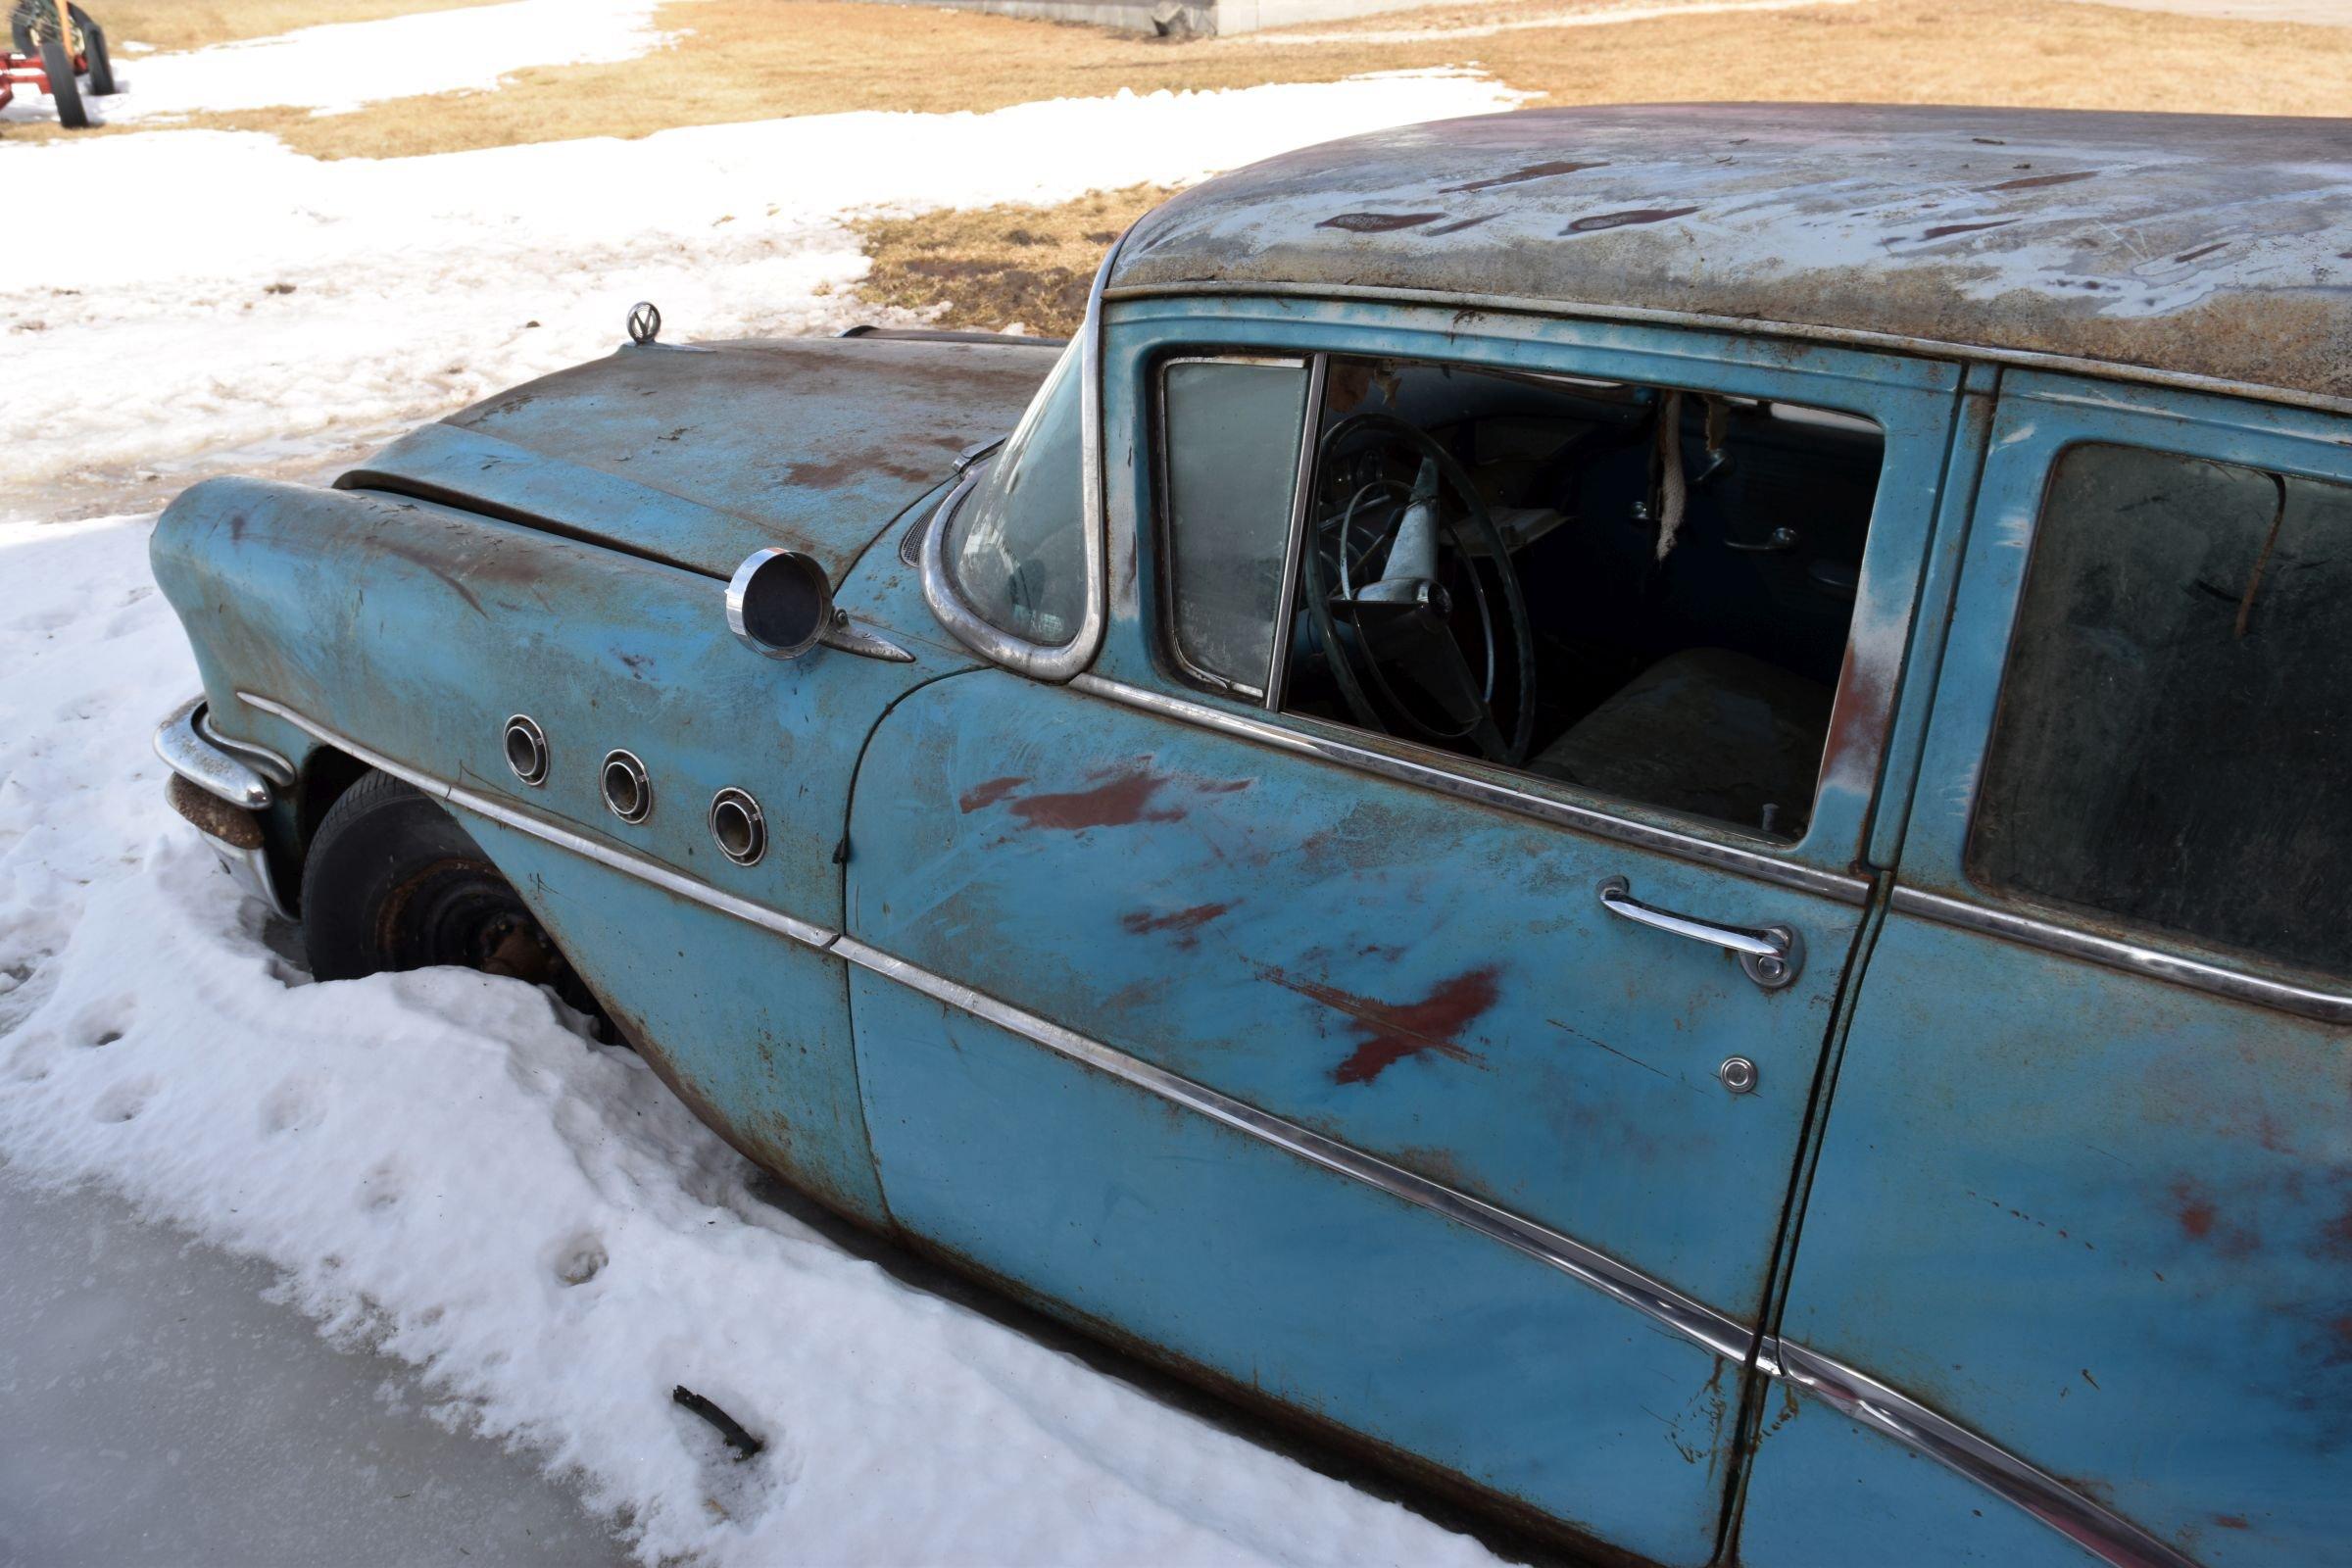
{"x":394,"y":882}
{"x":94,"y":55}
{"x":58,"y":63}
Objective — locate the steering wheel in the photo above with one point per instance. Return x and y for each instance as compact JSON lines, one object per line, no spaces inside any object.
{"x":1407,"y":621}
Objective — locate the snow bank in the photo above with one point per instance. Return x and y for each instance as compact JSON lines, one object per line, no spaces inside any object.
{"x":230,"y":293}
{"x":346,"y":64}
{"x":446,"y":1171}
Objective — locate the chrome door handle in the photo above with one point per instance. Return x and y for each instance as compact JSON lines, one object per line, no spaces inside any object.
{"x":1770,"y":956}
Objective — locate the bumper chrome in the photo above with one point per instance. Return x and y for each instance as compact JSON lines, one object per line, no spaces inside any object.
{"x":219,"y":791}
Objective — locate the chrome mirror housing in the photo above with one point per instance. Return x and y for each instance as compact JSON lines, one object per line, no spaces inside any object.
{"x":780,"y":602}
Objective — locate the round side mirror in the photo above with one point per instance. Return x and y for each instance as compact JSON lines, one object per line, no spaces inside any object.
{"x":780,"y":602}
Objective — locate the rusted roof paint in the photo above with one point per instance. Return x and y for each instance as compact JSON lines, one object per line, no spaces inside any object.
{"x":2190,"y":245}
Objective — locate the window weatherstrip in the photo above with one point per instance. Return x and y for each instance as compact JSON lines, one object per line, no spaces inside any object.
{"x":1278,"y":662}
{"x":1845,"y":889}
{"x":2236,"y":985}
{"x":992,"y":642}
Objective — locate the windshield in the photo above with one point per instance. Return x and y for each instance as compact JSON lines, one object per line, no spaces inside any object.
{"x":1015,"y":548}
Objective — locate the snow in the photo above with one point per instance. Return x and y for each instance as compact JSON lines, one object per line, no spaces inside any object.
{"x":435,"y":1158}
{"x":344,"y":65}
{"x":259,"y":304}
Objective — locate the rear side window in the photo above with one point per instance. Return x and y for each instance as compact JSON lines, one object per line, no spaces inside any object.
{"x":2171,"y":743}
{"x":1017,"y":547}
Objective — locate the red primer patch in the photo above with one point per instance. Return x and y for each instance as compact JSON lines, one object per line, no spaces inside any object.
{"x":989,"y":793}
{"x":1120,"y":801}
{"x":1391,"y":1032}
{"x":2232,"y":1521}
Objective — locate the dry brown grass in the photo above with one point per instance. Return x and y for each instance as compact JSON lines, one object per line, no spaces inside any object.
{"x":992,"y":266}
{"x":758,"y":59}
{"x":193,"y":24}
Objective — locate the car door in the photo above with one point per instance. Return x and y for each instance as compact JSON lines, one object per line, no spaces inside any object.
{"x":1313,"y":1059}
{"x":2084,"y":1198}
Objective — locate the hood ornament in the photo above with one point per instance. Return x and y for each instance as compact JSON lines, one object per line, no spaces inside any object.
{"x":645,"y":323}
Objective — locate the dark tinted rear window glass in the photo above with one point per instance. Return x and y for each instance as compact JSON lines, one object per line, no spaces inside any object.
{"x":2173,"y":723}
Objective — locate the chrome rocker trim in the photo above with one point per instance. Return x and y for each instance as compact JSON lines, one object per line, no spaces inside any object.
{"x":2327,"y":1006}
{"x":2099,"y":1531}
{"x":1562,"y":814}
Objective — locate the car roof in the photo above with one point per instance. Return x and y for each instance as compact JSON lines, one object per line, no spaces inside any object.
{"x":2190,"y":247}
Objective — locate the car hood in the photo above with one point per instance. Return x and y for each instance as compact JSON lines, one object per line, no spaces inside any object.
{"x":698,"y":455}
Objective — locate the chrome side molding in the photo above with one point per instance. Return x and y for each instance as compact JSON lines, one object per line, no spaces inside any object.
{"x":1709,"y":1329}
{"x":2098,"y":1530}
{"x":1865,"y":1401}
{"x":1562,"y":814}
{"x":2236,"y":985}
{"x":506,"y":814}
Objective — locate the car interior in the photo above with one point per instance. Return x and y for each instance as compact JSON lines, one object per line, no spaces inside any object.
{"x":1637,"y":590}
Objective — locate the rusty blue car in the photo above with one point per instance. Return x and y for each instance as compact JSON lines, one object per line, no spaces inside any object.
{"x":1642,"y":809}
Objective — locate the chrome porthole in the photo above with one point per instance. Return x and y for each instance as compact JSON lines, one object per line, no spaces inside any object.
{"x":738,"y":826}
{"x":628,"y":792}
{"x":526,"y":749}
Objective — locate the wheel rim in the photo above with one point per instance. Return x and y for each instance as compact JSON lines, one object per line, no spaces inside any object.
{"x":461,"y":912}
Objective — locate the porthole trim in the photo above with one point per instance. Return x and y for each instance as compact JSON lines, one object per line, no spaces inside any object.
{"x":523,"y":728}
{"x":735,"y":807}
{"x":622,"y":770}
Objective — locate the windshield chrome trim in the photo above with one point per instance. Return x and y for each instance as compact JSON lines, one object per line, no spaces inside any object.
{"x":1864,"y":1399}
{"x":2236,"y":985}
{"x":1559,"y":813}
{"x":991,"y":642}
{"x":562,"y":837}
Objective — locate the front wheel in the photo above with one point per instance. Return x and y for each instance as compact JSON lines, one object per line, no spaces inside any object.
{"x":393,"y":882}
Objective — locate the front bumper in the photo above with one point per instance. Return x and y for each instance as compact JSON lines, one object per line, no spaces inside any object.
{"x":222,"y":787}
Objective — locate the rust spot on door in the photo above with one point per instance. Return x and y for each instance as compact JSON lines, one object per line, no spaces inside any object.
{"x":1389,"y":1032}
{"x":989,"y":792}
{"x":1119,"y":801}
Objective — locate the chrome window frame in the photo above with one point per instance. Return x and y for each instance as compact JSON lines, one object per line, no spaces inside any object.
{"x":1041,"y":661}
{"x":1168,"y":623}
{"x":1590,"y":810}
{"x":1937,"y":883}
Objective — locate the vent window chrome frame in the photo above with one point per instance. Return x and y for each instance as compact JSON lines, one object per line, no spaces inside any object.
{"x":1039,"y":662}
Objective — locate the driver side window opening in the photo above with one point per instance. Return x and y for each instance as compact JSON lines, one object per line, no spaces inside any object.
{"x":1636,"y":590}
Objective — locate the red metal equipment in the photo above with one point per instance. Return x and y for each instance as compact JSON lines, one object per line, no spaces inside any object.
{"x":52,"y":44}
